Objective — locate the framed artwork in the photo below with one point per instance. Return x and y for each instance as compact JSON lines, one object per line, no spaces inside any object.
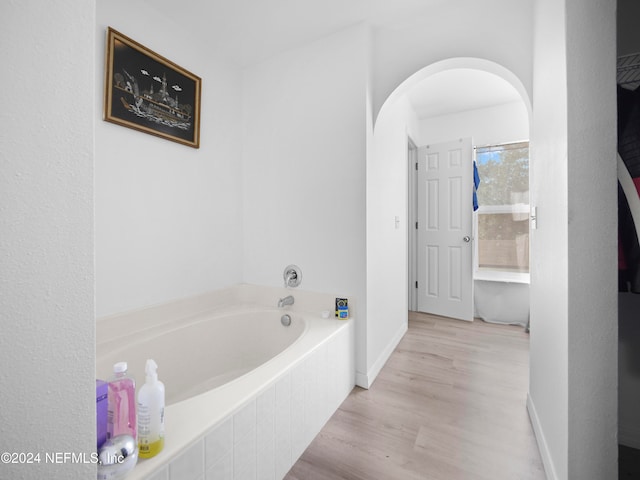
{"x":147,"y":92}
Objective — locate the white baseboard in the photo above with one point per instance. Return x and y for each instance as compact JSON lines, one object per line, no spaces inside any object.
{"x":629,"y":436}
{"x":547,"y":461}
{"x":362,"y":380}
{"x":365,"y":381}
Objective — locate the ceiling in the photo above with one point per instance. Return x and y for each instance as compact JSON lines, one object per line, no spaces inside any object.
{"x":460,"y":89}
{"x":245,"y":32}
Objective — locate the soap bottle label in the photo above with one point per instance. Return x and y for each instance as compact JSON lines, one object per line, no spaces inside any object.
{"x":150,"y":432}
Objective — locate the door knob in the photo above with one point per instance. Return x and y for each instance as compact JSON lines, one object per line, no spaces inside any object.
{"x":466,"y":238}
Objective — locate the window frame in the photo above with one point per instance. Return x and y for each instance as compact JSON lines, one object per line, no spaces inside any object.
{"x":517,"y":208}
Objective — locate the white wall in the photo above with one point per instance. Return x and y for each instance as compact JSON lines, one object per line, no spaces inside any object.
{"x":495,"y":30}
{"x":46,"y":246}
{"x":168,"y":217}
{"x":304,"y":168}
{"x":593,"y":239}
{"x":573,"y":310}
{"x":548,"y":384}
{"x":387,"y":275}
{"x":504,"y":123}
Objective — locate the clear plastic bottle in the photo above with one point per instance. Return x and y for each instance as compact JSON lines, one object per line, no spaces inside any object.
{"x":121,"y":416}
{"x":151,"y":413}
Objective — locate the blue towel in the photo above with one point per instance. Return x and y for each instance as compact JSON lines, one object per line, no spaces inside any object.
{"x":476,"y":184}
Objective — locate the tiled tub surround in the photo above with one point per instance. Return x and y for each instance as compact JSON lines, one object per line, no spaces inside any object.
{"x":257,"y":425}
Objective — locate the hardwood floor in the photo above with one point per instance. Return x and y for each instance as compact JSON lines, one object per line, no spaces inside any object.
{"x":449,"y":404}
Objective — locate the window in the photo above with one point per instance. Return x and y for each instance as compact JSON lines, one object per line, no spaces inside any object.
{"x":502,"y":227}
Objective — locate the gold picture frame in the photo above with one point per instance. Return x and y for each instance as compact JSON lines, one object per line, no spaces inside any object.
{"x":147,"y":92}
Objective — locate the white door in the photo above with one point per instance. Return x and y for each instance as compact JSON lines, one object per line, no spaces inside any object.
{"x":445,"y":193}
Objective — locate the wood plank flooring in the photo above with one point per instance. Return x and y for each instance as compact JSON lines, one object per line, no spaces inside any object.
{"x":450,"y":404}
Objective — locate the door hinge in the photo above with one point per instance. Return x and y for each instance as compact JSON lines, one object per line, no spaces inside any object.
{"x":416,"y":225}
{"x":416,"y":284}
{"x":416,"y":165}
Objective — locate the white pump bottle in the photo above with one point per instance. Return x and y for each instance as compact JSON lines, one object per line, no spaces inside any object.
{"x":151,"y":413}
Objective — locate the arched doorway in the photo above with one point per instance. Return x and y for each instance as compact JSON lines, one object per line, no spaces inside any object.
{"x":469,"y":63}
{"x":389,"y":216}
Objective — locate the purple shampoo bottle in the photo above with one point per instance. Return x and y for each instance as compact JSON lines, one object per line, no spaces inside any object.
{"x":121,"y":418}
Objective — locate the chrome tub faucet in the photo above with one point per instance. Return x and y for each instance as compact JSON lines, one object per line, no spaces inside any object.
{"x":288,"y":300}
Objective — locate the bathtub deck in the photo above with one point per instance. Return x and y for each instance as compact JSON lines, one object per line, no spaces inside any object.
{"x":449,"y":404}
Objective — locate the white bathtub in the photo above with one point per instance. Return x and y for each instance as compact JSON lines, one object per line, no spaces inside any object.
{"x":245,"y":395}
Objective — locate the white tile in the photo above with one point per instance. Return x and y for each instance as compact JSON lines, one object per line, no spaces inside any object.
{"x":218,"y":443}
{"x":298,"y":373}
{"x":298,"y":426}
{"x":340,"y":366}
{"x":162,"y":474}
{"x":265,"y":434}
{"x":283,"y":437}
{"x":244,"y":457}
{"x":244,"y":421}
{"x":297,"y":412}
{"x":264,"y":438}
{"x":348,"y":370}
{"x":323,"y":385}
{"x":265,"y":405}
{"x":283,"y":461}
{"x":332,"y":383}
{"x":189,"y":465}
{"x":297,"y":386}
{"x":283,"y":403}
{"x":222,"y":470}
{"x":311,"y":396}
{"x":283,"y":422}
{"x":283,"y":390}
{"x":266,"y":462}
